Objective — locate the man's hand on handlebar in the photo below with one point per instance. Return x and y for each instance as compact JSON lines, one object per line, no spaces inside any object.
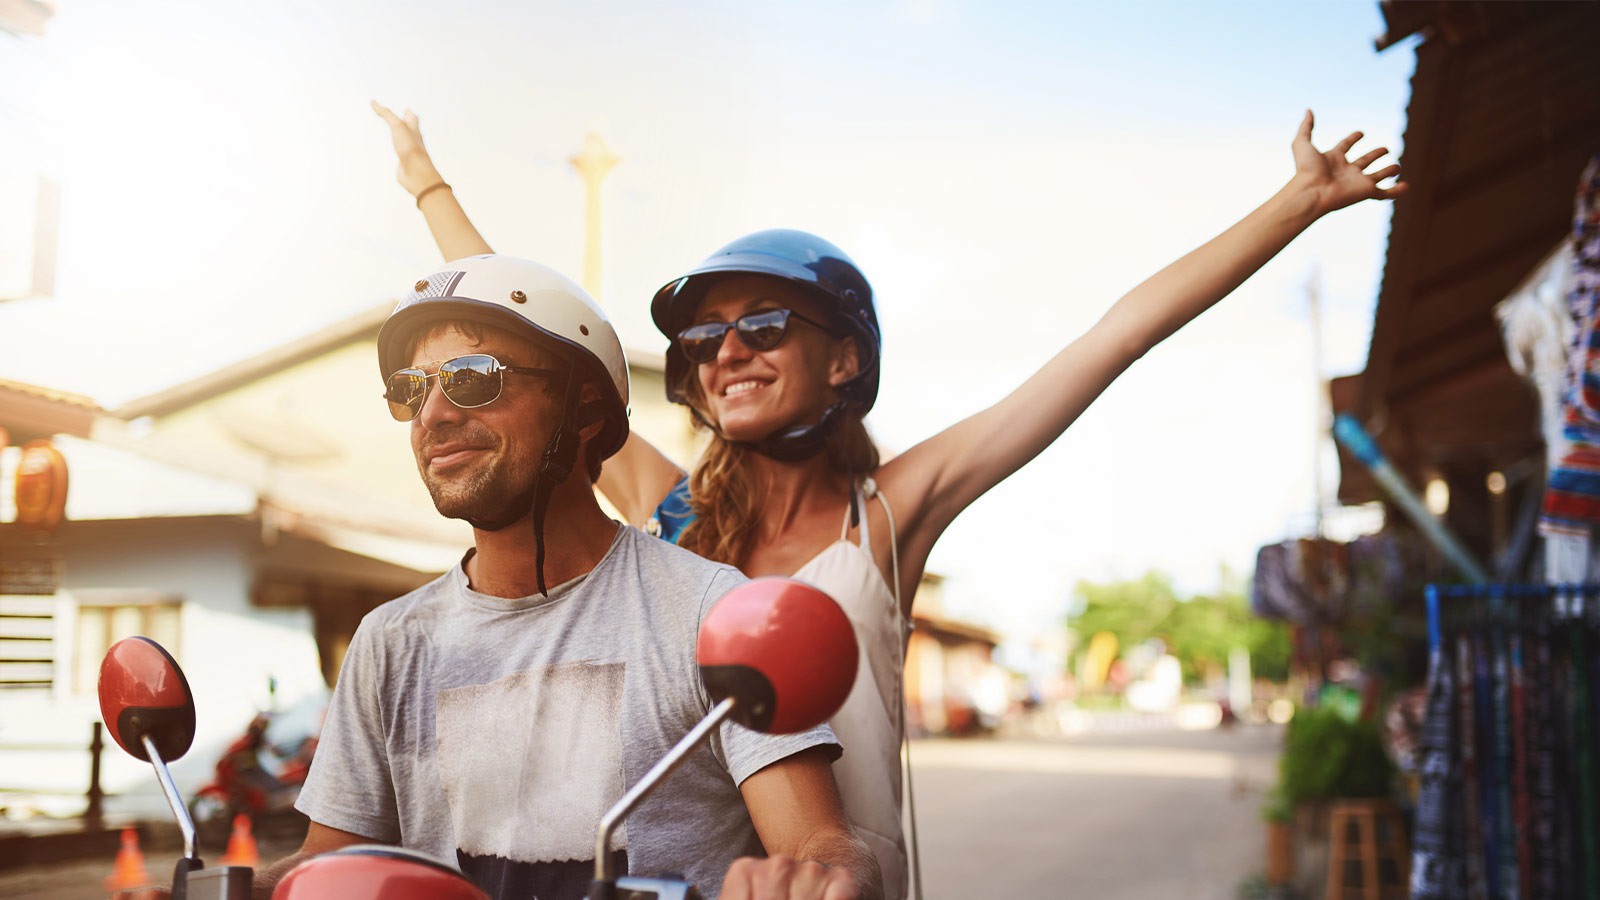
{"x":785,"y":878}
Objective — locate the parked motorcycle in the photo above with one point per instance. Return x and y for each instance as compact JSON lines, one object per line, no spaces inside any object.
{"x":255,"y":777}
{"x":775,"y":655}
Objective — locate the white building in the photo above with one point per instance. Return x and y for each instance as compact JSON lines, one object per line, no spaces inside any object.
{"x":246,"y":520}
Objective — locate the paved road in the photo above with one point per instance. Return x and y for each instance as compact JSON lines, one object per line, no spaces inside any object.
{"x":1171,"y":815}
{"x":83,"y":879}
{"x":1151,"y":814}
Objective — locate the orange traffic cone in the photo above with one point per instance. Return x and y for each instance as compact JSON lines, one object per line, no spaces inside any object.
{"x":128,"y":871}
{"x":241,"y":845}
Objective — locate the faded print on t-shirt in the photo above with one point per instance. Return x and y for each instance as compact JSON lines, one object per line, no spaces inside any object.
{"x":533,"y":837}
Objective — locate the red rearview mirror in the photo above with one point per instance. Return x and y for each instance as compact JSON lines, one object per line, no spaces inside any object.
{"x":783,"y":650}
{"x":143,"y":692}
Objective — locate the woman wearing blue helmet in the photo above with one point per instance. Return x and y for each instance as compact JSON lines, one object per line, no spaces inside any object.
{"x":775,"y":350}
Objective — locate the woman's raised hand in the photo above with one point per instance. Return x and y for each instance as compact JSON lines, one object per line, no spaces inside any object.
{"x":416,"y":170}
{"x":1336,"y":181}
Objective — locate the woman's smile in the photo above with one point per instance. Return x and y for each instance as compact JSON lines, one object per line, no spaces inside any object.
{"x":742,"y":387}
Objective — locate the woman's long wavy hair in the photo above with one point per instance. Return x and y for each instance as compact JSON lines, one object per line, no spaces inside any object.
{"x":722,"y":490}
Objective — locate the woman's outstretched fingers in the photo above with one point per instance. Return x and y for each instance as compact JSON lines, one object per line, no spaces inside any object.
{"x":1370,"y":157}
{"x":1343,"y":147}
{"x":385,"y":113}
{"x":416,"y":170}
{"x":403,"y":130}
{"x":1388,"y":193}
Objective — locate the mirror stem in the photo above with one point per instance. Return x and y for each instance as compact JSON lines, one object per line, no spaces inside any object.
{"x":652,"y":778}
{"x":179,"y":811}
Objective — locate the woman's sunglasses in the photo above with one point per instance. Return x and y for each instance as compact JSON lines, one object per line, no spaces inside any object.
{"x":466,"y":381}
{"x":758,"y":330}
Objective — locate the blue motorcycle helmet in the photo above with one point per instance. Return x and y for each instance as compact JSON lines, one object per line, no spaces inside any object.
{"x":828,"y":275}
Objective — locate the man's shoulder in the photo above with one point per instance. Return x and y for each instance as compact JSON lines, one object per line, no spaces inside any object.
{"x":660,"y":554}
{"x":670,"y":577}
{"x":421,"y":602}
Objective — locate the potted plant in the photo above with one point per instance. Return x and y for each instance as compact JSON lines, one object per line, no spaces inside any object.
{"x":1328,"y":754}
{"x":1278,"y":812}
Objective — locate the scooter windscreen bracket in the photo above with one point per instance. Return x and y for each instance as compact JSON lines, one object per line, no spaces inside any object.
{"x":777,"y":656}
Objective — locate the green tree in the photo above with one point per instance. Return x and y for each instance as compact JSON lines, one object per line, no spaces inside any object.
{"x":1268,"y":640}
{"x":1200,"y":631}
{"x":1131,"y":610}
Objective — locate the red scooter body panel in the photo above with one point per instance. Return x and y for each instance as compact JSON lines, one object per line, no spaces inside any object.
{"x":375,"y":872}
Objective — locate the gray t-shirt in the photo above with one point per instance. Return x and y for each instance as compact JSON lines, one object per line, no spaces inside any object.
{"x":495,"y":733}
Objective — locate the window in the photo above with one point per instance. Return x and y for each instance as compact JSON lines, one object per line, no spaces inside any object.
{"x":27,"y":645}
{"x":105,"y":617}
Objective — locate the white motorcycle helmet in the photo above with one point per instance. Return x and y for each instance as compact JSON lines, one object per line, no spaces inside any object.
{"x":526,"y":298}
{"x":522,"y":297}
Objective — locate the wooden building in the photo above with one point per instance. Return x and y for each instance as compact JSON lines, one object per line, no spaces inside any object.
{"x":1504,"y":115}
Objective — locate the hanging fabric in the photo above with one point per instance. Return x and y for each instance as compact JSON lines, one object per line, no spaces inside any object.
{"x":1572,"y":493}
{"x":1510,"y":745}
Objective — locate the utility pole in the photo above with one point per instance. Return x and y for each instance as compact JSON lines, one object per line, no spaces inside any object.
{"x":1321,"y":401}
{"x":593,"y":163}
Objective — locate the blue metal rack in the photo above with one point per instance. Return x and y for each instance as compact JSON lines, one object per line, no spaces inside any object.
{"x":1569,"y":600}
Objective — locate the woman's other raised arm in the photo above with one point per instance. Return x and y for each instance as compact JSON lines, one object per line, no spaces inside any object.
{"x":944,"y":474}
{"x":637,"y":479}
{"x":452,"y":230}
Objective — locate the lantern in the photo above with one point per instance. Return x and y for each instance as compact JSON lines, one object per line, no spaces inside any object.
{"x":41,"y":486}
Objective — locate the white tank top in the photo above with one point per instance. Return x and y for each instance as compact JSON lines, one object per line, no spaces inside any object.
{"x":871,"y":725}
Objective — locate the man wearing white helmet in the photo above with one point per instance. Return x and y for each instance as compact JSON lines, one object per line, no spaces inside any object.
{"x":492,"y":716}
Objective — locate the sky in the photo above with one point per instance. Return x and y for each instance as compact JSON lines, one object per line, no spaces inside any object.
{"x":1002,"y":172}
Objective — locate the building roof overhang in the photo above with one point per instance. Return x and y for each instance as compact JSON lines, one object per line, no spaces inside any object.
{"x":1504,"y":114}
{"x":30,"y":411}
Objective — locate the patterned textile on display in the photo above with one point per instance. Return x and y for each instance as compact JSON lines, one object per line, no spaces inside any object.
{"x":1313,"y":581}
{"x":1539,"y":335}
{"x":1508,"y":806}
{"x":1572,"y":497}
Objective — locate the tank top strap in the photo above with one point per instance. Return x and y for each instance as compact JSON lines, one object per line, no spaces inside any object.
{"x":867,"y":490}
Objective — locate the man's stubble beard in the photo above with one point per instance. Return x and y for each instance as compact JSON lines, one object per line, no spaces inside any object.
{"x":481,"y":494}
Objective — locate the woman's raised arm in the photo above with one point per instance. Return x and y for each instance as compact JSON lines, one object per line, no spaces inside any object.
{"x":943,"y":475}
{"x":452,"y":230}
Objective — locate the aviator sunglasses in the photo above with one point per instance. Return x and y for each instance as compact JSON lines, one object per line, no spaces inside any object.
{"x":758,"y":330}
{"x":467,"y":381}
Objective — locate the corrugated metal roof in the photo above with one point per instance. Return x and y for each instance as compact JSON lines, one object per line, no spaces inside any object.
{"x":49,"y":394}
{"x":29,"y":411}
{"x":1504,"y":114}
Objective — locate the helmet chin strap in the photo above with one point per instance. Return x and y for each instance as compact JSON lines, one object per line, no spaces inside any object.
{"x":850,"y":476}
{"x":560,"y":455}
{"x":792,"y":444}
{"x":801,"y":442}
